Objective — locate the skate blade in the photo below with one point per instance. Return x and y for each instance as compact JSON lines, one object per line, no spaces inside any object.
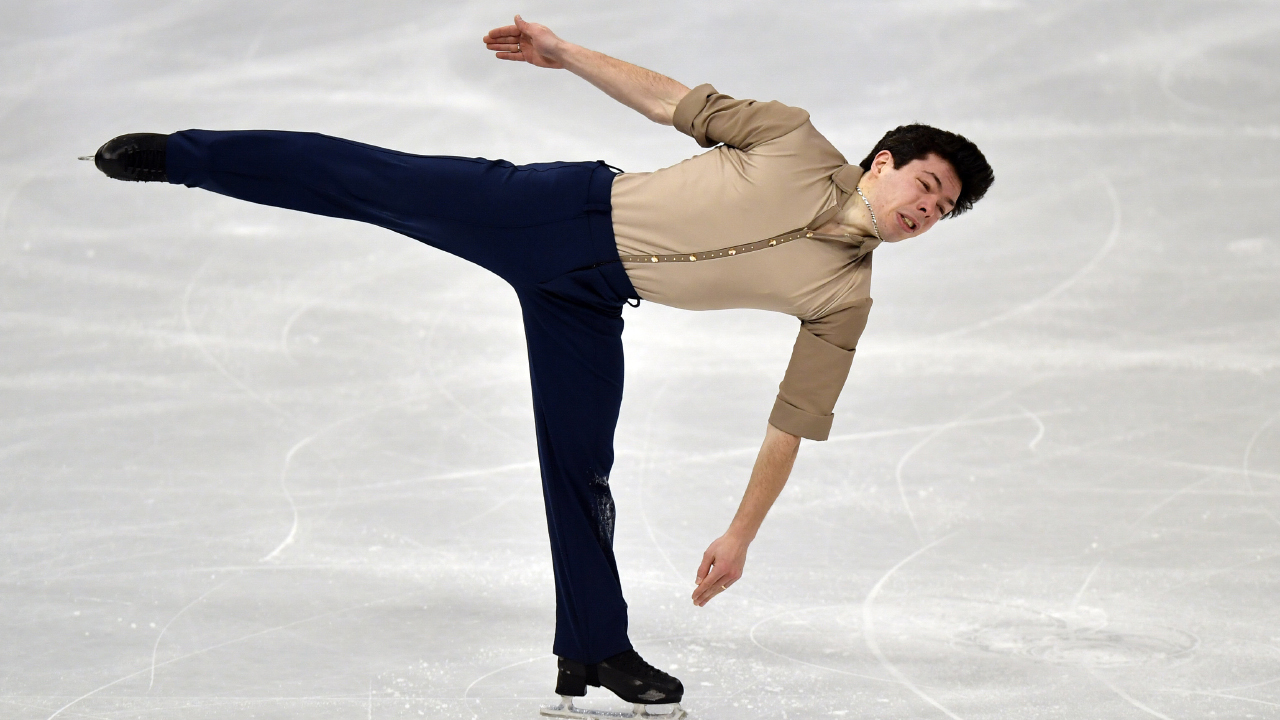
{"x":85,"y":157}
{"x":566,"y":709}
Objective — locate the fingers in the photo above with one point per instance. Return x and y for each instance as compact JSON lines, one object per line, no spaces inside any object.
{"x":712,"y":579}
{"x":705,"y":567}
{"x":508,"y":35}
{"x":505,"y":41}
{"x":711,"y":586}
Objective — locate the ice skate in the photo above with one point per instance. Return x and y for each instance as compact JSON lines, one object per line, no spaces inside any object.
{"x":626,"y":675}
{"x":137,"y":157}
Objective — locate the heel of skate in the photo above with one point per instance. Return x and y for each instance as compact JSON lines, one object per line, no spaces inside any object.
{"x":573,"y":677}
{"x":570,"y":684}
{"x":566,"y":709}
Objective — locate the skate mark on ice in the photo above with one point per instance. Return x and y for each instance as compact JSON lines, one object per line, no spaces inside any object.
{"x":330,"y":287}
{"x":1108,"y":245}
{"x":443,"y":388}
{"x":288,"y":461}
{"x":751,"y":634}
{"x":293,"y":506}
{"x":198,"y":341}
{"x":1075,"y":601}
{"x":287,"y":328}
{"x":1039,"y":425}
{"x":869,"y":629}
{"x":466,"y":694}
{"x":1214,"y":573}
{"x":155,"y":648}
{"x":453,"y":475}
{"x":1127,"y":697}
{"x":644,"y":470}
{"x":1174,"y":496}
{"x":1223,"y":469}
{"x":233,"y":641}
{"x":1210,"y":693}
{"x":1248,"y":479}
{"x":940,"y":429}
{"x":63,"y":573}
{"x":44,"y":708}
{"x":1264,"y":683}
{"x":750,"y":451}
{"x":507,"y":498}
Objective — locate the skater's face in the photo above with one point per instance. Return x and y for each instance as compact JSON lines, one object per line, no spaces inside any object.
{"x":908,"y":200}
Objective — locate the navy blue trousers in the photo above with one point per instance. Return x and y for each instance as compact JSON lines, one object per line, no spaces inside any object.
{"x":545,"y":229}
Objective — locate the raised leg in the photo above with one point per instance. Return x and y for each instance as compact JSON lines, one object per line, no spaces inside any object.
{"x":523,"y":222}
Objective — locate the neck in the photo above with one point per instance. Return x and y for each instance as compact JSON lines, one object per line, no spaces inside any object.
{"x":854,"y":216}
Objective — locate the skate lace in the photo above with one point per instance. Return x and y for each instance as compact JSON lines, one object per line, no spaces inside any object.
{"x":631,"y":663}
{"x":144,"y":164}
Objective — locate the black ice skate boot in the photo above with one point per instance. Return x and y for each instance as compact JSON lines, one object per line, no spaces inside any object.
{"x":628,"y":676}
{"x":138,"y":157}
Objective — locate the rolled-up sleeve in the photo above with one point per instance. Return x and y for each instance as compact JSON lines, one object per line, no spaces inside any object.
{"x":820,"y":363}
{"x":712,"y":118}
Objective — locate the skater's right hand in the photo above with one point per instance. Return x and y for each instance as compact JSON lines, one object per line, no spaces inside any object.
{"x":721,"y":567}
{"x":526,"y":42}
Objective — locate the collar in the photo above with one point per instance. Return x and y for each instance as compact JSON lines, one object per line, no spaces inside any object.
{"x":846,"y":178}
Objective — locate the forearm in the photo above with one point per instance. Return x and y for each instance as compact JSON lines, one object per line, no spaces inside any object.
{"x":768,"y":477}
{"x":651,"y":94}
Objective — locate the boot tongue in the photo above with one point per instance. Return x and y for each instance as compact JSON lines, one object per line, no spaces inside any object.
{"x":629,"y":661}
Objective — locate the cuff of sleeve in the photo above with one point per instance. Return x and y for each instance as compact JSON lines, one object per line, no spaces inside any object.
{"x":687,"y":111}
{"x":791,"y":419}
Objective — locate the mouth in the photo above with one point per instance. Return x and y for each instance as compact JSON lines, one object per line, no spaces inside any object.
{"x":907,"y":223}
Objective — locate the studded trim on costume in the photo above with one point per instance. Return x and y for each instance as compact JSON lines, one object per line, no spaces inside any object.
{"x":735,"y":249}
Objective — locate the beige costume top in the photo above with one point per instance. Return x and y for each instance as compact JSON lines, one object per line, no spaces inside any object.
{"x":732,"y":228}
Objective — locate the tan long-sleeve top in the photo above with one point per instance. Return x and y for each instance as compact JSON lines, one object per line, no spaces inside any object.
{"x":733,"y":228}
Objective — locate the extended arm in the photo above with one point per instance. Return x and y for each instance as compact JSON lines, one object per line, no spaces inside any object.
{"x":723,"y":561}
{"x":653,"y":95}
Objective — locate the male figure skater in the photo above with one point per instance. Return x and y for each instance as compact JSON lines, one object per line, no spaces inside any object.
{"x":773,"y":217}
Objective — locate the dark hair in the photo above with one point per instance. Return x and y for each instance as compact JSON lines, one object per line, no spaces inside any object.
{"x":914,"y":142}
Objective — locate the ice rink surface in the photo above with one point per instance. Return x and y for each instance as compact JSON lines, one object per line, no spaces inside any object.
{"x":262,"y":465}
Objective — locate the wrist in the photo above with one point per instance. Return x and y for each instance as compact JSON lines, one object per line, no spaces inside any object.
{"x":741,"y":532}
{"x":570,"y":56}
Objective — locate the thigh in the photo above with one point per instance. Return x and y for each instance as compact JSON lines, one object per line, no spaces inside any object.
{"x":343,"y":178}
{"x":529,"y":222}
{"x":576,"y":370}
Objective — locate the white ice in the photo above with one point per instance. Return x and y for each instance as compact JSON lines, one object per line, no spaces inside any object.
{"x":261,"y":465}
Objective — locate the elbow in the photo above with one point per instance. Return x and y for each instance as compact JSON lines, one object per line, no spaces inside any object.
{"x":662,"y":110}
{"x":778,"y":435}
{"x":661,"y":114}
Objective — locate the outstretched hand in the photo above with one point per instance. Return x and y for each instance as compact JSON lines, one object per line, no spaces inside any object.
{"x":721,"y":567}
{"x":526,"y":42}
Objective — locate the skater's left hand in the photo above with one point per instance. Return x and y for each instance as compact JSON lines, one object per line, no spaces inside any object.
{"x":526,"y":42}
{"x":721,"y":567}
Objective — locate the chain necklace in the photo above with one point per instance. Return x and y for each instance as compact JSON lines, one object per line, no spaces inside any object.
{"x":874,"y":227}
